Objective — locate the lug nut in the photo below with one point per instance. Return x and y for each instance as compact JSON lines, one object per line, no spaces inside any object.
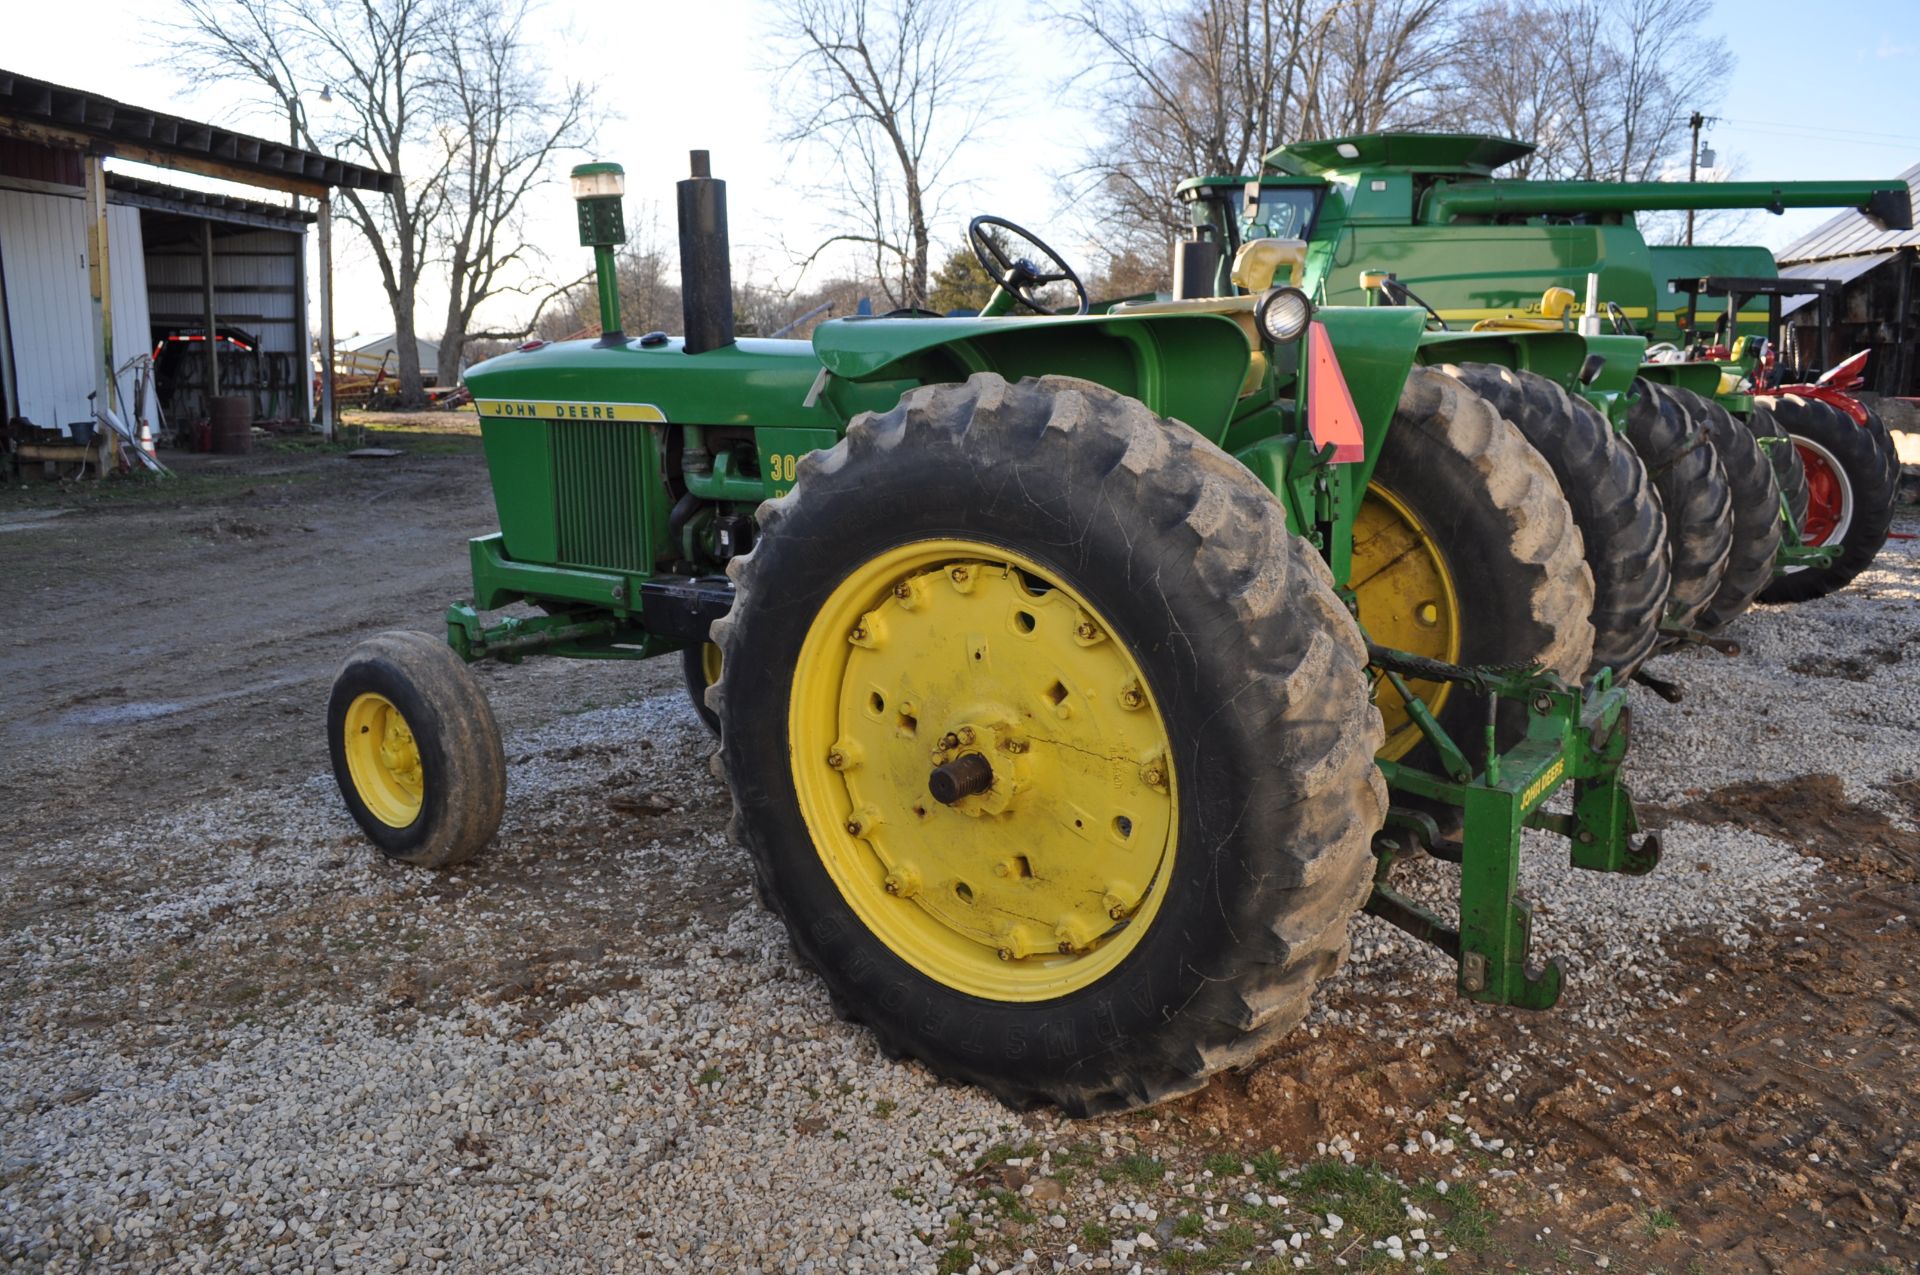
{"x":1016,"y":745}
{"x":855,"y":827}
{"x":903,"y":590}
{"x":1154,"y":777}
{"x":837,"y":759}
{"x":1066,"y":947}
{"x":966,"y":734}
{"x":1131,"y":697}
{"x":949,"y":740}
{"x":1085,"y":631}
{"x":1006,"y":953}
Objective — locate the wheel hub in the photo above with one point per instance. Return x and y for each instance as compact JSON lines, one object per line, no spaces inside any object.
{"x":1406,"y":601}
{"x":995,"y":797}
{"x":1829,"y":495}
{"x":383,"y":759}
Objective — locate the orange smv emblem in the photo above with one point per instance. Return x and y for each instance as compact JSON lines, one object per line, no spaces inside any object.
{"x":1331,"y":417}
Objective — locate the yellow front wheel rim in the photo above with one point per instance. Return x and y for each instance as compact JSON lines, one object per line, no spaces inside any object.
{"x":383,"y":759}
{"x":710,"y":663}
{"x":1042,"y":881}
{"x":1406,"y":599}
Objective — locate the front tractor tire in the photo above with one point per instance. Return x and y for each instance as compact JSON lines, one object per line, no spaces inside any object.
{"x":1076,"y":789}
{"x":416,"y":751}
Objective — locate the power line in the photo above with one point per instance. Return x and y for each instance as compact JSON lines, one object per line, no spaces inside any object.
{"x":1852,"y":135}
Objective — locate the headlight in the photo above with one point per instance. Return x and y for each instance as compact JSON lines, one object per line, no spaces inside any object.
{"x":1283,"y":315}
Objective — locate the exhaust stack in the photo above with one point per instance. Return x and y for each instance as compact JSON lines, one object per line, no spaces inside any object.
{"x":706,"y":272}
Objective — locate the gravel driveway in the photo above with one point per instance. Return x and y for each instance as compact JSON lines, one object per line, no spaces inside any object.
{"x":238,"y":1040}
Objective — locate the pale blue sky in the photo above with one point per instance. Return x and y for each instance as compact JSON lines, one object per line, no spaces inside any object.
{"x":1827,"y":90}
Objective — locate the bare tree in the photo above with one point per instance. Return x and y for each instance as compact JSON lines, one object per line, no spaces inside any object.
{"x":501,"y":123}
{"x":439,"y":94}
{"x":890,"y":89}
{"x":1209,"y":86}
{"x":1603,"y":87}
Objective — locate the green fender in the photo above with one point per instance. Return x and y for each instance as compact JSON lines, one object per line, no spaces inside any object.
{"x":1189,"y":367}
{"x":1558,"y":356}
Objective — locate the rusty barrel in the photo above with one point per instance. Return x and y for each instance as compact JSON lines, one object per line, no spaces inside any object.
{"x":232,"y":417}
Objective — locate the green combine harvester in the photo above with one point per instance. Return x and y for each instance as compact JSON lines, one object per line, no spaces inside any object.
{"x":1420,"y":219}
{"x":1077,"y":677}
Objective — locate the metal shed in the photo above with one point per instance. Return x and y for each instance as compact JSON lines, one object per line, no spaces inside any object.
{"x":1879,"y":308}
{"x":95,"y":268}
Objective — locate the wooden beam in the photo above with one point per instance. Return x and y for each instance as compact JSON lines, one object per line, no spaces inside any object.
{"x":73,"y":139}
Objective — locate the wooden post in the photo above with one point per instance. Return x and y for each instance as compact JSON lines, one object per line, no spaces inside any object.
{"x":326,"y":316}
{"x":100,"y":286}
{"x":213,"y":330}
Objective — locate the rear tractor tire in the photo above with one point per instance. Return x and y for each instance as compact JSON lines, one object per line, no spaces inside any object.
{"x":1613,"y":503}
{"x":416,"y":751}
{"x":1853,"y":478}
{"x":1755,"y":495}
{"x":1465,"y":551}
{"x":1076,"y":790}
{"x":1680,"y":460}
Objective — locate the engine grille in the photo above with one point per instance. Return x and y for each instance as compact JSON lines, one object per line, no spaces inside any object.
{"x":598,"y":502}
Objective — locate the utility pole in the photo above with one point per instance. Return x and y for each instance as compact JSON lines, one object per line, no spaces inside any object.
{"x":1693,"y":164}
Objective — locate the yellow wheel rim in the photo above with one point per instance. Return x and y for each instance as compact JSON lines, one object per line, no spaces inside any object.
{"x":1407,"y":601}
{"x":710,"y":663}
{"x":384,"y":760}
{"x":1041,"y":883}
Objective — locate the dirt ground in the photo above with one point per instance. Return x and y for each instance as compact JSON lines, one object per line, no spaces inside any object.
{"x":173,"y":642}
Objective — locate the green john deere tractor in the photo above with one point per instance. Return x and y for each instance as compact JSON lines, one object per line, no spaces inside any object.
{"x":1077,"y":677}
{"x":1419,"y":219}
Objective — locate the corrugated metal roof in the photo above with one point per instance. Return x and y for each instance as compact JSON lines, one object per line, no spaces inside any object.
{"x":1851,"y":233}
{"x":1842,"y":270}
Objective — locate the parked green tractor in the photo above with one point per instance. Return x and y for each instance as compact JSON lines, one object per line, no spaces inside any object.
{"x":1419,"y":219}
{"x":1077,"y":677}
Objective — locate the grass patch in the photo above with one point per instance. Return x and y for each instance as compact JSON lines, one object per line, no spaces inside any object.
{"x":1141,"y":1170}
{"x":1081,"y":1155}
{"x":1363,"y":1196}
{"x":885,"y":1107}
{"x":1226,"y":1249}
{"x":1013,"y":1208}
{"x":1658,"y":1222}
{"x":1462,"y":1215}
{"x":710,"y":1076}
{"x":1189,"y":1225}
{"x":1269,"y":1168}
{"x":1095,"y":1235}
{"x":1222,"y":1165}
{"x":1001,"y":1152}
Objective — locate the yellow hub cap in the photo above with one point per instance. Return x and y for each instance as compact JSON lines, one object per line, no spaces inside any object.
{"x":384,"y":760}
{"x":1407,"y":601}
{"x":961,"y":667}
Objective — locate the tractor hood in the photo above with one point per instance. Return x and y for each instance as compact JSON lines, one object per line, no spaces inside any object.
{"x":753,"y":381}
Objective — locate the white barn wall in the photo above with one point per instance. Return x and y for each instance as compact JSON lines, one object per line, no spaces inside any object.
{"x":50,"y":309}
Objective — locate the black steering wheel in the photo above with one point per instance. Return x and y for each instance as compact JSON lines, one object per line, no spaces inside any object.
{"x":1009,"y":258}
{"x":1619,"y":318}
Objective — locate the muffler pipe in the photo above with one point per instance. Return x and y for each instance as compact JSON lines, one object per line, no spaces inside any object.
{"x":706,"y":273}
